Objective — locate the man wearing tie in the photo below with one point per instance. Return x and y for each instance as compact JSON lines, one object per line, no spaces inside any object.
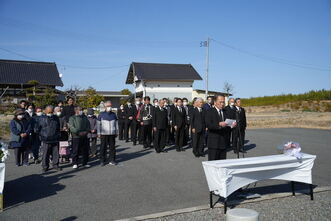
{"x":160,"y":125}
{"x":218,"y":130}
{"x":135,"y":127}
{"x":198,"y":127}
{"x":179,"y":123}
{"x":146,"y":115}
{"x":239,"y":132}
{"x":128,"y":112}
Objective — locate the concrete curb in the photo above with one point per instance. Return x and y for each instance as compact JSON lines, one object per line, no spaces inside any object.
{"x":219,"y":205}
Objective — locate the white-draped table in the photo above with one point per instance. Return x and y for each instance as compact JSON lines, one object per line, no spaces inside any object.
{"x":2,"y":183}
{"x":226,"y":176}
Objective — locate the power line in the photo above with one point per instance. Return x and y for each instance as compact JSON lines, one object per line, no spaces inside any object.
{"x":65,"y":65}
{"x":275,"y":59}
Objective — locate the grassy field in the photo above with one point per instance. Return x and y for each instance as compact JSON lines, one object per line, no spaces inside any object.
{"x":311,"y":96}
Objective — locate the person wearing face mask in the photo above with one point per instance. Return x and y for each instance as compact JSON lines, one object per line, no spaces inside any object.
{"x":167,"y":107}
{"x":128,"y":111}
{"x":48,"y":128}
{"x":155,"y":102}
{"x":135,"y":127}
{"x":64,"y":144}
{"x":20,"y":128}
{"x":92,"y":135}
{"x":35,"y":140}
{"x":121,"y":122}
{"x":146,"y":115}
{"x":79,"y":127}
{"x":218,"y":130}
{"x":107,"y":127}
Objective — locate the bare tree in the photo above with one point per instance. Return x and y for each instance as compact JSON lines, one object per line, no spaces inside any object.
{"x":228,"y":88}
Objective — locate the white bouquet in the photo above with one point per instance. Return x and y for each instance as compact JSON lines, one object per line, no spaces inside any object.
{"x":292,"y":149}
{"x":4,"y":153}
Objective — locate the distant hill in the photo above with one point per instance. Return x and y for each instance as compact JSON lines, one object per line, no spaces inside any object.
{"x":287,"y":98}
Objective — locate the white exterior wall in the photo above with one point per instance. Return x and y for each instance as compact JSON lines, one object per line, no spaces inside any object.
{"x":161,"y":89}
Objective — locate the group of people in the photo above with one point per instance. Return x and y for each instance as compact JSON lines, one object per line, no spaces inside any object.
{"x":66,"y":133}
{"x":181,"y":124}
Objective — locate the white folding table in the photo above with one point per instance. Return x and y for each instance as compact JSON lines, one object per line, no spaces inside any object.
{"x":224,"y":177}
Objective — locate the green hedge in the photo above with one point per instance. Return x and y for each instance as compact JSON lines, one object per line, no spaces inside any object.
{"x":287,"y":98}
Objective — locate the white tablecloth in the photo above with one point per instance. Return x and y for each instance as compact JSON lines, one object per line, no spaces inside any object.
{"x":226,"y":176}
{"x":2,"y":177}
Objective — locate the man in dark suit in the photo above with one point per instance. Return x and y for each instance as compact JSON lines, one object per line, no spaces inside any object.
{"x":231,"y":109}
{"x":160,"y":125}
{"x":146,"y":115}
{"x":188,"y":109}
{"x":218,"y":130}
{"x":209,"y":103}
{"x":128,"y":112}
{"x":135,"y":127}
{"x":239,"y":132}
{"x":179,"y":124}
{"x":198,"y":127}
{"x":172,"y":129}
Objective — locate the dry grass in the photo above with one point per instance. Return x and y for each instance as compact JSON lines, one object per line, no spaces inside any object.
{"x":317,"y":120}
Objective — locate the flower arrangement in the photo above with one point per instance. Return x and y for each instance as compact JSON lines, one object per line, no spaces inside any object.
{"x":4,"y":153}
{"x":292,"y":149}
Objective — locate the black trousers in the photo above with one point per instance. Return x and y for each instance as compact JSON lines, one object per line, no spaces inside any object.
{"x":147,"y":135}
{"x":238,"y":137}
{"x":93,"y":145}
{"x":21,"y":155}
{"x":50,"y":149}
{"x":216,"y":154}
{"x":180,"y":133}
{"x":128,"y":125}
{"x":107,"y":143}
{"x":159,"y":140}
{"x":198,"y":140}
{"x":135,"y":130}
{"x":80,"y":146}
{"x":121,"y":129}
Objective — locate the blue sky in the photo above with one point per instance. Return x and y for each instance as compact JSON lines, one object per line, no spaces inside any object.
{"x":96,"y":35}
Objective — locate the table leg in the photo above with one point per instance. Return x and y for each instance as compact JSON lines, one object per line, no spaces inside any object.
{"x":211,"y":199}
{"x":292,"y":186}
{"x":311,"y":192}
{"x":225,"y":205}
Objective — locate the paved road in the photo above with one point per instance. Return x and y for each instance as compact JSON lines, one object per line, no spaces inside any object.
{"x":144,"y":182}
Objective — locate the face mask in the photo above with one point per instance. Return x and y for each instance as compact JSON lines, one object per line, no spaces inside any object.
{"x":137,"y":102}
{"x":39,"y":114}
{"x":232,"y":104}
{"x":108,"y":109}
{"x":121,"y":107}
{"x":185,"y":103}
{"x":156,"y":104}
{"x":165,"y":103}
{"x":58,"y":113}
{"x":49,"y":115}
{"x":30,"y":110}
{"x":20,"y":117}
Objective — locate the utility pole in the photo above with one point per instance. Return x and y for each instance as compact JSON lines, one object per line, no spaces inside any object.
{"x":207,"y":66}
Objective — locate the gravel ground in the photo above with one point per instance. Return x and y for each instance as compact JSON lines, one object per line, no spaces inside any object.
{"x":275,"y":209}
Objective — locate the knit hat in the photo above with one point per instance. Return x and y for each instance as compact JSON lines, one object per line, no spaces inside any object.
{"x":90,"y":111}
{"x":18,"y":112}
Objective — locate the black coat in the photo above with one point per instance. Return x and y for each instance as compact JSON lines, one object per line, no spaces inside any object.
{"x":241,"y":117}
{"x":49,"y":129}
{"x":121,"y":115}
{"x":218,"y":137}
{"x":160,"y":118}
{"x":67,"y":112}
{"x":231,"y":111}
{"x":128,"y":111}
{"x":197,"y":120}
{"x":179,"y":118}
